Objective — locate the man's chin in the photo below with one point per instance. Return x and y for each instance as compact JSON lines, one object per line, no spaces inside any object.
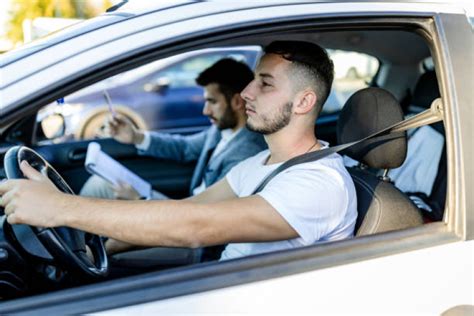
{"x":224,"y":125}
{"x":254,"y":128}
{"x":217,"y":124}
{"x":264,"y":130}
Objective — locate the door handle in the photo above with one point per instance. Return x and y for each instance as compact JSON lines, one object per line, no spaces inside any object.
{"x":77,"y":154}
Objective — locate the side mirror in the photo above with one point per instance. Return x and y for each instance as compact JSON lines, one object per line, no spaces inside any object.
{"x":53,"y":126}
{"x":159,"y":86}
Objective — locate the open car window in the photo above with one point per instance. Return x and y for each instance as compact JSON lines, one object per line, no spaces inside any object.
{"x":352,"y":72}
{"x":160,"y":95}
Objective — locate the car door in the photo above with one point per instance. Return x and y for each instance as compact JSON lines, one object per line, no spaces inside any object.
{"x":68,"y":157}
{"x":169,"y":177}
{"x":432,"y":262}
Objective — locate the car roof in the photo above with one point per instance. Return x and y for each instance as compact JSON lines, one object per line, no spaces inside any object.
{"x":127,"y":29}
{"x":136,"y":8}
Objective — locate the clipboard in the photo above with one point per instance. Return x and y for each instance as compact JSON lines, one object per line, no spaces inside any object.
{"x":101,"y":164}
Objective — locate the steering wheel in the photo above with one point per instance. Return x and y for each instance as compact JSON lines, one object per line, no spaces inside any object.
{"x":66,"y":245}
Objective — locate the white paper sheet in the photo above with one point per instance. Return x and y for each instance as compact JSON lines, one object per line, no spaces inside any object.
{"x":99,"y":163}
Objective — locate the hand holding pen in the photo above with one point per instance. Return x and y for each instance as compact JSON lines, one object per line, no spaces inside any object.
{"x":109,"y":104}
{"x":123,"y":130}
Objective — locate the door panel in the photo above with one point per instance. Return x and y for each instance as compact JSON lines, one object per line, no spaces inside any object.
{"x":168,"y":177}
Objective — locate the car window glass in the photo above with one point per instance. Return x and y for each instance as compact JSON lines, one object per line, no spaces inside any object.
{"x":353,"y":71}
{"x":183,"y":74}
{"x":161,"y":95}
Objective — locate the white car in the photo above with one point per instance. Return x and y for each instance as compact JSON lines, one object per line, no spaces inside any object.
{"x":425,"y":269}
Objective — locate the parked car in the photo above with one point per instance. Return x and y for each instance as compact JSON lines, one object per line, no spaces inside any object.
{"x":420,"y":270}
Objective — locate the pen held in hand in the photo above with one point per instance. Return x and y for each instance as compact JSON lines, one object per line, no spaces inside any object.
{"x":109,"y":104}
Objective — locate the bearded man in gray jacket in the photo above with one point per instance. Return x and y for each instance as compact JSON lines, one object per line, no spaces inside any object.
{"x":216,"y":150}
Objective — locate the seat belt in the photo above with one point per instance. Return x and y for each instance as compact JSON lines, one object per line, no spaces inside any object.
{"x":429,"y":116}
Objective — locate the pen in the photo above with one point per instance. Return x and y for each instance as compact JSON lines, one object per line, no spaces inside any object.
{"x":109,"y":103}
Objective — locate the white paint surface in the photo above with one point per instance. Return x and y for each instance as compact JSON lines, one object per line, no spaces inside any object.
{"x":423,"y":282}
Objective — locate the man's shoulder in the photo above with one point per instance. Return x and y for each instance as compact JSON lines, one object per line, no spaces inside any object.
{"x":333,"y":161}
{"x":250,"y":162}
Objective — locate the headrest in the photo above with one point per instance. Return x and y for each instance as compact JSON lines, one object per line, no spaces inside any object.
{"x":426,"y":90}
{"x":368,"y":111}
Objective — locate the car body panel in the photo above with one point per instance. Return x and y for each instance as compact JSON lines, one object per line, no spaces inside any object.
{"x":398,"y":285}
{"x":428,"y":269}
{"x":459,"y":112}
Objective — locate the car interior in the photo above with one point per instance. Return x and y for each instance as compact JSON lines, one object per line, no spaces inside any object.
{"x":404,"y":85}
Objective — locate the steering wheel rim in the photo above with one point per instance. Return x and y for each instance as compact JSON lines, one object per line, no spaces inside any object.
{"x":66,"y":245}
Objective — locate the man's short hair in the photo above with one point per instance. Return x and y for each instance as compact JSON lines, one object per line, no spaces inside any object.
{"x":231,"y":75}
{"x":309,"y":60}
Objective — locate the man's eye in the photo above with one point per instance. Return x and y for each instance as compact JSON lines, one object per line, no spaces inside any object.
{"x":265,"y":84}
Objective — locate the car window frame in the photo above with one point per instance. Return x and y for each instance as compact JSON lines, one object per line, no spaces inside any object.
{"x":208,"y":276}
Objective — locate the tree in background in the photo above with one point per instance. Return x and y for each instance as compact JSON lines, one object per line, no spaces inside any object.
{"x":31,"y":9}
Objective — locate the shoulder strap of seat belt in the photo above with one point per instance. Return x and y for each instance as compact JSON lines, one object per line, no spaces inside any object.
{"x":432,"y":115}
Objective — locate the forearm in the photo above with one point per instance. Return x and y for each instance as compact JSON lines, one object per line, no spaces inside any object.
{"x":115,"y":246}
{"x":219,"y":191}
{"x":175,"y":147}
{"x":145,"y":223}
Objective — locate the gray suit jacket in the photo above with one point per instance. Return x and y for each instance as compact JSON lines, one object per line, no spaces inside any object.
{"x":200,"y":147}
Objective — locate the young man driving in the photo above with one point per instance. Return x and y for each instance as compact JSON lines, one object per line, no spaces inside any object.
{"x":303,"y":205}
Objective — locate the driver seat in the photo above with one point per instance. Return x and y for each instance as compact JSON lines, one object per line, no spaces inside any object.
{"x":381,"y":206}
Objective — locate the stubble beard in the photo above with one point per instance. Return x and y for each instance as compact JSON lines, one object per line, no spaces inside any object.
{"x":228,"y":119}
{"x":275,"y":124}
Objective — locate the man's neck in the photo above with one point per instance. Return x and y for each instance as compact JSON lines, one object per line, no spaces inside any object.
{"x":239,"y":125}
{"x":285,"y":145}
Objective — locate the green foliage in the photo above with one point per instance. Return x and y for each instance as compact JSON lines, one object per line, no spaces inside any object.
{"x":30,"y":9}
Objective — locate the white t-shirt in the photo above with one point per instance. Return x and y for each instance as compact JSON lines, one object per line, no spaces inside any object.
{"x":317,"y":199}
{"x":418,"y":172}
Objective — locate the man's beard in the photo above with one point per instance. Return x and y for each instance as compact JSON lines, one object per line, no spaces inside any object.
{"x":273,"y":125}
{"x":228,"y":119}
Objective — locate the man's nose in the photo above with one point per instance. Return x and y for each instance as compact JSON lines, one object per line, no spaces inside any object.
{"x":247,"y":93}
{"x":205,"y":110}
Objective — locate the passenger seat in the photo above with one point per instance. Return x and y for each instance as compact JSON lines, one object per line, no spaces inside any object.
{"x":381,"y":206}
{"x":423,"y":175}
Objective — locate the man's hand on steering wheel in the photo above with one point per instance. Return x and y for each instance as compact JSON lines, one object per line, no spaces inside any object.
{"x":24,"y":199}
{"x":39,"y":202}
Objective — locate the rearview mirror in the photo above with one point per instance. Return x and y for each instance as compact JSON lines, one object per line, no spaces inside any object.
{"x":53,"y":126}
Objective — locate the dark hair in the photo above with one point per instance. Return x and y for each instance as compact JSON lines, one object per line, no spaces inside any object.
{"x":310,"y":61}
{"x":231,"y":75}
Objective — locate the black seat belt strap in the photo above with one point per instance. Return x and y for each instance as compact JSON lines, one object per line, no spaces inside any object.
{"x":432,"y":115}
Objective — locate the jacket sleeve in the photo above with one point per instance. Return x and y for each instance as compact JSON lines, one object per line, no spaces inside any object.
{"x":176,"y":147}
{"x":246,"y":148}
{"x":225,"y":169}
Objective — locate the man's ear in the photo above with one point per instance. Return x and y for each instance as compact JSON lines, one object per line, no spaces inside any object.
{"x":237,"y":103}
{"x":305,"y":101}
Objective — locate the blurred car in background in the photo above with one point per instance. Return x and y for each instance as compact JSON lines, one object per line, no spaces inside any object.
{"x":161,"y":95}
